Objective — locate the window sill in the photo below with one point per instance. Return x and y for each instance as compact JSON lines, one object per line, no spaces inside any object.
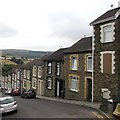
{"x":73,"y":90}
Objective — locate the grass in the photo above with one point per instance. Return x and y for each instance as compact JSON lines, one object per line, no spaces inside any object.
{"x":7,"y":62}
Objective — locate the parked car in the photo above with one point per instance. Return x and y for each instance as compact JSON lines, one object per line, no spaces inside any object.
{"x":28,"y":94}
{"x":8,"y":104}
{"x":15,"y":92}
{"x":8,"y":92}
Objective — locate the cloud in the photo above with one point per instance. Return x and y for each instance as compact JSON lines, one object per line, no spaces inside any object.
{"x":6,"y":31}
{"x":68,"y":25}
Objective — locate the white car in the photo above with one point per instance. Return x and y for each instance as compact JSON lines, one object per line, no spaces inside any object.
{"x":8,"y":104}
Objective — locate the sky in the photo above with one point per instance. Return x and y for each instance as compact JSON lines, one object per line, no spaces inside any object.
{"x":48,"y":25}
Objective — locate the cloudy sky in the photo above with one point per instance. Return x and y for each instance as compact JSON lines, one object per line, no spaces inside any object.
{"x":48,"y":25}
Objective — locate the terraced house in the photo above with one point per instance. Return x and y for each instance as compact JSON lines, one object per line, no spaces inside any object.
{"x":78,"y":70}
{"x":37,"y":69}
{"x":54,"y":74}
{"x":106,"y":48}
{"x":26,"y":77}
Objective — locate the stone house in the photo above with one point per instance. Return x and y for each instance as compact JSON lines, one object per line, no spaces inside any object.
{"x":106,"y":54}
{"x":37,"y":70}
{"x":78,"y":70}
{"x":26,"y":82}
{"x":54,"y":74}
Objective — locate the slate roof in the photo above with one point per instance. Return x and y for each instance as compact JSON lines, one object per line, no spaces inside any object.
{"x":56,"y":56}
{"x":109,"y":15}
{"x":83,"y":45}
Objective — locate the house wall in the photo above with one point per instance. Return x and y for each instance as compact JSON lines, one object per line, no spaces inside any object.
{"x":81,"y":73}
{"x":48,"y":92}
{"x":102,"y":80}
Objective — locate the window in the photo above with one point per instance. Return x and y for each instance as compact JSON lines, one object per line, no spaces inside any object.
{"x":24,"y":84}
{"x":49,"y":68}
{"x":73,"y":62}
{"x":34,"y":70}
{"x":107,"y":62}
{"x":34,"y":83}
{"x":18,"y":84}
{"x":74,"y":84}
{"x":49,"y":83}
{"x":24,"y":73}
{"x":18,"y":75}
{"x":28,"y":74}
{"x":39,"y":72}
{"x":58,"y":69}
{"x":89,"y":63}
{"x":107,"y":33}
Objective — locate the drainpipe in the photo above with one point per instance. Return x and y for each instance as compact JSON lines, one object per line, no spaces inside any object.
{"x":93,"y":66}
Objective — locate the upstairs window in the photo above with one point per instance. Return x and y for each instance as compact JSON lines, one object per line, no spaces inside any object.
{"x":24,"y":73}
{"x":49,"y":68}
{"x":39,"y":72}
{"x":34,"y":70}
{"x":74,"y":65}
{"x":107,"y":33}
{"x":89,"y":64}
{"x":28,"y":74}
{"x":58,"y":69}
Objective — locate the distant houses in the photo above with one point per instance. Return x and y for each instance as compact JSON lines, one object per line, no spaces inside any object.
{"x":82,"y":71}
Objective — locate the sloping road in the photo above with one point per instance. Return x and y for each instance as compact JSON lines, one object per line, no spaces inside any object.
{"x":40,"y":108}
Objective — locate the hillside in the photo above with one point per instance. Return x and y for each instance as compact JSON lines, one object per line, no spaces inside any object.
{"x":7,"y":62}
{"x":24,"y":53}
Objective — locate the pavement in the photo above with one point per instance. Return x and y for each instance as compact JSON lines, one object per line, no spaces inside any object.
{"x":93,"y":105}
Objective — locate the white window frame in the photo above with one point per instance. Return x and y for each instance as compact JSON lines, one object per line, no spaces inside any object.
{"x":24,"y":73}
{"x":74,"y":62}
{"x":34,"y":70}
{"x":18,"y":75}
{"x":34,"y":83}
{"x":89,"y":70}
{"x":112,"y":32}
{"x":49,"y":80}
{"x":28,"y":74}
{"x":24,"y":83}
{"x":40,"y":72}
{"x":49,"y":67}
{"x":113,"y":62}
{"x":76,"y":80}
{"x":58,"y":68}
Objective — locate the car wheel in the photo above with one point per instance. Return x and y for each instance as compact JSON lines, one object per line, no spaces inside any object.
{"x":25,"y":97}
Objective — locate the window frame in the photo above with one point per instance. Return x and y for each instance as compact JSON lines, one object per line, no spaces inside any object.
{"x":49,"y":68}
{"x":103,"y":33}
{"x":34,"y":70}
{"x":87,"y":68}
{"x":74,"y":68}
{"x":49,"y":80}
{"x":39,"y":71}
{"x":58,"y":68}
{"x":34,"y":81}
{"x":74,"y":80}
{"x":113,"y":62}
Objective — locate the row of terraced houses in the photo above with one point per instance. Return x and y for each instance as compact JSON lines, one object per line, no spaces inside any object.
{"x":79,"y":72}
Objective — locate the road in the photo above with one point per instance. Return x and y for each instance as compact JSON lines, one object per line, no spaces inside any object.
{"x":40,"y":108}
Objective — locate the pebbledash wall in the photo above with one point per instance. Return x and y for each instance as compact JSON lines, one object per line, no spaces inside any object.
{"x":102,"y":80}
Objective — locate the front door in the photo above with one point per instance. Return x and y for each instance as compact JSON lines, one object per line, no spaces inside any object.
{"x":40,"y":87}
{"x":59,"y":88}
{"x":89,"y":97}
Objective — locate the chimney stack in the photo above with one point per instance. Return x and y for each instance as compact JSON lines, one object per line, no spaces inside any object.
{"x":119,"y":4}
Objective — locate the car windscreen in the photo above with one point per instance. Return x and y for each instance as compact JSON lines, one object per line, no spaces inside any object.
{"x":7,"y":100}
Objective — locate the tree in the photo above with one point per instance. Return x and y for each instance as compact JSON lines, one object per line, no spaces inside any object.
{"x":18,"y":61}
{"x":6,"y":68}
